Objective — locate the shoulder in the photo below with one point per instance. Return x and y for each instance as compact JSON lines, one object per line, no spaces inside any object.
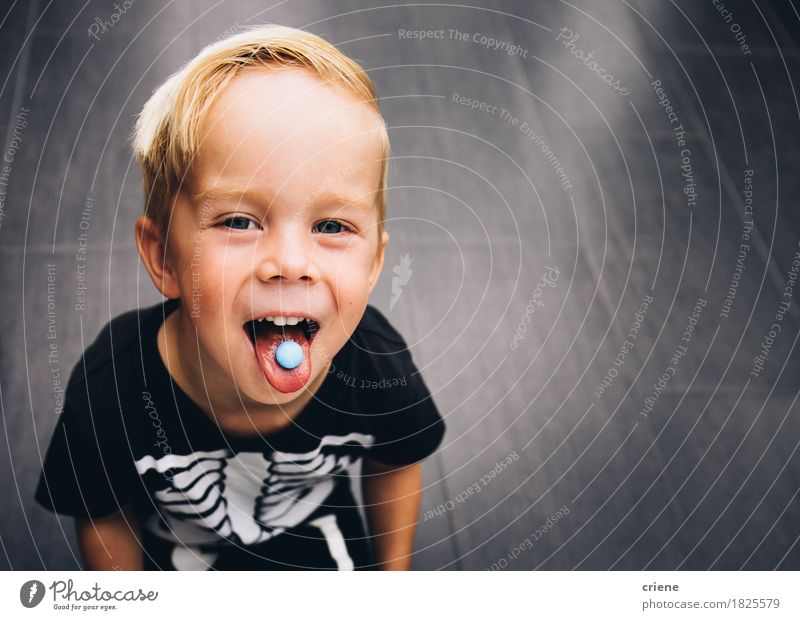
{"x":108,"y":376}
{"x":117,"y":339}
{"x":375,"y":326}
{"x":391,"y":396}
{"x":379,"y":353}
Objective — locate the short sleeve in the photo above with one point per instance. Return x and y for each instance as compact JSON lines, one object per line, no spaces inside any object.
{"x":406,"y":422}
{"x":84,"y":474}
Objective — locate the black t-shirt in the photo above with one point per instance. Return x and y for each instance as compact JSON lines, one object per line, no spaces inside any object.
{"x":129,"y":434}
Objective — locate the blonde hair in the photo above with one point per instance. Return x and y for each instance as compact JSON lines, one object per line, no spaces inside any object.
{"x":165,"y":139}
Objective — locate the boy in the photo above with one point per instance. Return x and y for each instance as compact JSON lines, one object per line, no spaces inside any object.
{"x":187,"y":441}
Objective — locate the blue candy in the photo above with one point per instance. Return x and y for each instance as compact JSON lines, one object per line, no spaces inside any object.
{"x":289,"y":354}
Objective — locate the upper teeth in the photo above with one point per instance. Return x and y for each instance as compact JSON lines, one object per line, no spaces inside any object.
{"x":284,"y":320}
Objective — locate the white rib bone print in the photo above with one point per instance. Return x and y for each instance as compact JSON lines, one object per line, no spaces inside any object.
{"x":244,"y":497}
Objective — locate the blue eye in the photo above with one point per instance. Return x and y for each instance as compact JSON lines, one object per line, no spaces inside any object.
{"x":238,"y":222}
{"x":331,"y":227}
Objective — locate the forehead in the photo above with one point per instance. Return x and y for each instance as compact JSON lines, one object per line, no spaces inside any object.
{"x":286,"y":130}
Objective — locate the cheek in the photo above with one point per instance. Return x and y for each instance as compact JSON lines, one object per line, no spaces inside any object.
{"x":213,"y":278}
{"x":349,"y":281}
{"x":350,"y":285}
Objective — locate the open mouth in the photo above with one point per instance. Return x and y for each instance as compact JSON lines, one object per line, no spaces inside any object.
{"x":268,"y":333}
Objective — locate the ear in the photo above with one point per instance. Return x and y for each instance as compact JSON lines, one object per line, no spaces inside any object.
{"x":152,"y":250}
{"x":377,"y":265}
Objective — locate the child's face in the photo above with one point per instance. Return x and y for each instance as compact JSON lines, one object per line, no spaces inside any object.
{"x":278,"y":217}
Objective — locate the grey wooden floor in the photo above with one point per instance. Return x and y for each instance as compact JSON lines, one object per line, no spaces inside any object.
{"x":538,"y":468}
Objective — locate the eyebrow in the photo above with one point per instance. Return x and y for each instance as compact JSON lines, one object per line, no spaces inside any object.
{"x":347,"y":201}
{"x":256,"y":196}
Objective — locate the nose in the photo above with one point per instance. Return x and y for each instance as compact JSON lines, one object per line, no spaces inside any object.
{"x":287,"y":255}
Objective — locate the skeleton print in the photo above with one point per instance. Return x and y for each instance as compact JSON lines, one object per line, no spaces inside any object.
{"x":244,"y":498}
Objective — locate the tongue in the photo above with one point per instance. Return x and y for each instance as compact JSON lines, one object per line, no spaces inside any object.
{"x":268,"y":338}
